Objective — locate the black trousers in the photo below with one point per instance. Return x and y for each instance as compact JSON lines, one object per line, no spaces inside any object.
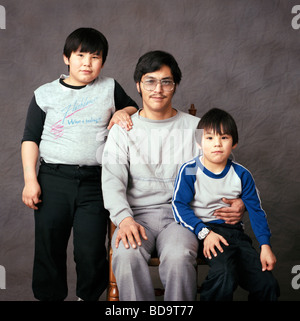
{"x":239,"y":264}
{"x":71,"y":199}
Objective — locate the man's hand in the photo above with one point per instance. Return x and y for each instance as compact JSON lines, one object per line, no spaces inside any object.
{"x":232,"y":214}
{"x":122,"y":118}
{"x":212,"y":241}
{"x":129,"y":231}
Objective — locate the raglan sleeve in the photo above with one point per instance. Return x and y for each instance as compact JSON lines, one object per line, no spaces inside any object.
{"x":184,"y":192}
{"x":34,"y":124}
{"x":257,"y":216}
{"x":122,"y":100}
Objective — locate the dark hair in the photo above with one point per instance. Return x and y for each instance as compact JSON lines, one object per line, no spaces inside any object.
{"x":153,"y":61}
{"x":88,"y":40}
{"x":220,"y":122}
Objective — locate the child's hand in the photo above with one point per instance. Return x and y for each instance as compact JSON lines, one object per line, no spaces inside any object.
{"x":122,"y":118}
{"x":267,"y":258}
{"x":31,"y":195}
{"x":211,"y":241}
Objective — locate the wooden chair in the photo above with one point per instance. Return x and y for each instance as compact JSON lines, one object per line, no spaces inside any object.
{"x":112,"y":289}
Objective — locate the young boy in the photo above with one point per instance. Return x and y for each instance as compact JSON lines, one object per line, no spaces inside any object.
{"x":67,"y":125}
{"x":199,"y":188}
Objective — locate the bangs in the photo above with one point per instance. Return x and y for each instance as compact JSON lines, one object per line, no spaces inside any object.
{"x":217,"y":128}
{"x":90,"y":46}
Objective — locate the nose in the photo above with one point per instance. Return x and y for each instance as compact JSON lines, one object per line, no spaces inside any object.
{"x":218,"y":141}
{"x":87,"y":61}
{"x":158,"y":87}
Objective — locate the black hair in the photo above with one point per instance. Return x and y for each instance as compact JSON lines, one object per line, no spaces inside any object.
{"x":220,"y":122}
{"x":153,"y":61}
{"x":88,"y":40}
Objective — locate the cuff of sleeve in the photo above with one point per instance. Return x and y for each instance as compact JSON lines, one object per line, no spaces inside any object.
{"x":117,"y":220}
{"x":264,"y":239}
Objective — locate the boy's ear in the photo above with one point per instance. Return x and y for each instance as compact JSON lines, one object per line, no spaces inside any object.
{"x":234,"y":146}
{"x":66,"y":60}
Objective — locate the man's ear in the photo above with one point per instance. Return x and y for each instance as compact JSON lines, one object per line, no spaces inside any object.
{"x":138,"y":87}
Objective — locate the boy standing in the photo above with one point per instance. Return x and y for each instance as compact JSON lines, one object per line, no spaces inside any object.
{"x":199,"y":187}
{"x":67,"y":125}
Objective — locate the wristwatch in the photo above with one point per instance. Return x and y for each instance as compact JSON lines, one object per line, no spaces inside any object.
{"x":203,"y":233}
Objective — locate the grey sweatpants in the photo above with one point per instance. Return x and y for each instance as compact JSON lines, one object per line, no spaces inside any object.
{"x":177,"y":249}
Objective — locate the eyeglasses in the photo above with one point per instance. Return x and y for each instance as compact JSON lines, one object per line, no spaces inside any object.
{"x":151,"y":83}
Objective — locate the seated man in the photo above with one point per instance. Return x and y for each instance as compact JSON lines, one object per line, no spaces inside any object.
{"x":139,"y":170}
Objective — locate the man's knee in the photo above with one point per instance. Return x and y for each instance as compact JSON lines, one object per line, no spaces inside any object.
{"x":179,"y":257}
{"x":128,"y":257}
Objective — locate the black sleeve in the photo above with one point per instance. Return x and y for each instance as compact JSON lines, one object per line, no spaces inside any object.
{"x":122,"y":99}
{"x":34,"y":123}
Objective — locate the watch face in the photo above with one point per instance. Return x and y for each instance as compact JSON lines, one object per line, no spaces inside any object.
{"x":203,"y":233}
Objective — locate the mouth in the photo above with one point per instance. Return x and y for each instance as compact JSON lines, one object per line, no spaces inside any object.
{"x":86,"y":71}
{"x":157,"y":97}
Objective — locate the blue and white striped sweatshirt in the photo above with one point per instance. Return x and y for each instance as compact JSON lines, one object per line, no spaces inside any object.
{"x":198,"y":193}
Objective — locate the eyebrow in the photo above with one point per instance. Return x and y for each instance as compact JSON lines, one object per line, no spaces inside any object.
{"x":165,"y":78}
{"x":213,"y":133}
{"x":96,"y":53}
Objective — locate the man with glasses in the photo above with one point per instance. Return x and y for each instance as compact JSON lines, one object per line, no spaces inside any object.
{"x":139,"y":169}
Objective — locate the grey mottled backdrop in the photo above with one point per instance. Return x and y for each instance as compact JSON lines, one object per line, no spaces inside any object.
{"x":242,"y":56}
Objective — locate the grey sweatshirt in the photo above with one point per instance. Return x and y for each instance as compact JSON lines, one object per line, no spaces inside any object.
{"x":140,"y":166}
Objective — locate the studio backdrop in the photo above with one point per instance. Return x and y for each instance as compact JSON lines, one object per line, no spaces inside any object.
{"x":241,"y":56}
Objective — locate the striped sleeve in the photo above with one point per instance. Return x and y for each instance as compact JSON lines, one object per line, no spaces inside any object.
{"x":184,"y":192}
